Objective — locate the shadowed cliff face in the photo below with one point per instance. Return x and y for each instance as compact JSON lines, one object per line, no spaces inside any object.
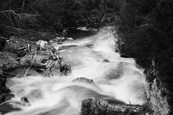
{"x":114,"y":78}
{"x":157,"y":94}
{"x":146,"y":35}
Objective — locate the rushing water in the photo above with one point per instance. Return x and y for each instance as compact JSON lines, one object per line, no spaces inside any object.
{"x":94,"y":57}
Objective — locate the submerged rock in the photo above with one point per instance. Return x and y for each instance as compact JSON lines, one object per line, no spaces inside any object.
{"x":83,"y":79}
{"x":101,"y":107}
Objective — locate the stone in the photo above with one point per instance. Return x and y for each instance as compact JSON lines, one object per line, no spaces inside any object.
{"x":102,"y":107}
{"x":83,"y":79}
{"x":25,"y":99}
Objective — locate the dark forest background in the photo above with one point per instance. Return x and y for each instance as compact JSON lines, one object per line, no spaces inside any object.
{"x":52,"y":15}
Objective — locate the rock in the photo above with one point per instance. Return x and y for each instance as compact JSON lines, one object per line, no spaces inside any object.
{"x":40,"y":56}
{"x":8,"y":61}
{"x":8,"y":96}
{"x":66,"y":47}
{"x":83,"y":79}
{"x":70,"y":38}
{"x":158,"y":100}
{"x":41,"y":43}
{"x":25,"y":99}
{"x":8,"y":106}
{"x":18,"y":46}
{"x":5,"y":97}
{"x":125,"y":56}
{"x":65,"y":69}
{"x":101,"y":107}
{"x":106,"y":60}
{"x":22,"y":72}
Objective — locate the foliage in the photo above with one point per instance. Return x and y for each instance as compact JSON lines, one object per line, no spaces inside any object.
{"x":53,"y":15}
{"x":147,"y":30}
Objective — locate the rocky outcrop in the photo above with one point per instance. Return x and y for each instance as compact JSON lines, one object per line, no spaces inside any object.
{"x":158,"y":100}
{"x":157,"y":94}
{"x":22,"y":58}
{"x":101,"y":107}
{"x":40,"y":56}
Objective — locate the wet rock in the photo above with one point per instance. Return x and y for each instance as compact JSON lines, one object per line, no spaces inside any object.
{"x":125,"y":56}
{"x":100,"y":107}
{"x":116,"y":73}
{"x":22,"y":72}
{"x":66,"y":47}
{"x":70,"y":39}
{"x":158,"y":100}
{"x":83,"y":79}
{"x":40,"y":56}
{"x":106,"y":60}
{"x":8,"y":96}
{"x":5,"y":97}
{"x":65,"y":69}
{"x":25,"y":99}
{"x":8,"y":60}
{"x":18,"y":46}
{"x":7,"y":107}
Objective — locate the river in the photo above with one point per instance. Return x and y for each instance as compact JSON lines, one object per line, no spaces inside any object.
{"x":94,"y":57}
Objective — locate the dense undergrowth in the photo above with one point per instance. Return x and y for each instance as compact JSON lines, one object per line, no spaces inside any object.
{"x":53,"y":15}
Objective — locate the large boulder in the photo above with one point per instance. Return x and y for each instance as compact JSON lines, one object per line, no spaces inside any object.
{"x":101,"y":107}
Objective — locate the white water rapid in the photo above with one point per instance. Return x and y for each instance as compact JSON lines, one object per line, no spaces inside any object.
{"x":94,"y":57}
